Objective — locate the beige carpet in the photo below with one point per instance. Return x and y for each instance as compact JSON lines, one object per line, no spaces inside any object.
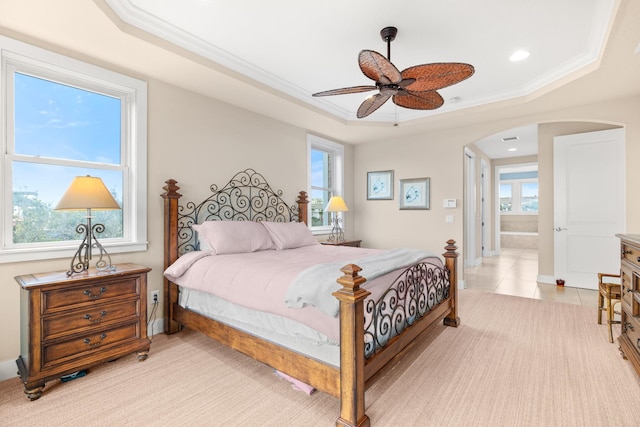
{"x":512,"y":362}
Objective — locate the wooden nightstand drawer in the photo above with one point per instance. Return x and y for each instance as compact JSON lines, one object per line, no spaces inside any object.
{"x":80,"y":346}
{"x":88,"y":318}
{"x":65,"y":298}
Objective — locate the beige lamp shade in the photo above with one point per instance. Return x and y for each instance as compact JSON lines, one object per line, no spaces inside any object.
{"x":336,"y":204}
{"x":87,"y":192}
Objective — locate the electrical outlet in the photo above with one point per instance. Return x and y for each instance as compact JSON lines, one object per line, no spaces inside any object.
{"x":155,"y":296}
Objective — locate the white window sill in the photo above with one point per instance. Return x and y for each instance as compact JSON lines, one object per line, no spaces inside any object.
{"x":66,"y":251}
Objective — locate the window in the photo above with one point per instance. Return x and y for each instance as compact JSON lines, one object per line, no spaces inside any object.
{"x":529,"y":197}
{"x":64,"y":118}
{"x":325,"y":180}
{"x":506,"y":197}
{"x":519,"y":193}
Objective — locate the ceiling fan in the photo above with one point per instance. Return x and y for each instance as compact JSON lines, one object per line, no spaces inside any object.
{"x":414,"y":87}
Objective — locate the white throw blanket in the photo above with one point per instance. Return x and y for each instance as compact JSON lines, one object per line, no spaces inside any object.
{"x":315,"y":285}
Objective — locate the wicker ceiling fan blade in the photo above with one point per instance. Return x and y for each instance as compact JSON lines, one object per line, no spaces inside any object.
{"x":434,"y":76}
{"x":371,"y":104}
{"x":346,"y":90}
{"x":429,"y":100}
{"x":378,"y":68}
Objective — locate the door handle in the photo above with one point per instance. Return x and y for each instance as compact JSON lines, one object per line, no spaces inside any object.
{"x":559,"y":228}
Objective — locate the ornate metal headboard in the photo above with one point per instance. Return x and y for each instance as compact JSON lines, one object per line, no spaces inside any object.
{"x":246,"y":197}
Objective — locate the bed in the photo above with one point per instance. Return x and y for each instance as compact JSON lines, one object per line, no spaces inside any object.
{"x":351,"y":328}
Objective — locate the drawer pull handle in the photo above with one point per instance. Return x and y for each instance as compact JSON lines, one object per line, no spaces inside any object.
{"x":627,"y":252}
{"x":628,"y":326}
{"x":98,"y":320}
{"x":95,"y":344}
{"x":89,"y":293}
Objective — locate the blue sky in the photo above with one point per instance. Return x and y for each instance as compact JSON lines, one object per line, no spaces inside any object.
{"x":317,"y":168}
{"x":60,"y":121}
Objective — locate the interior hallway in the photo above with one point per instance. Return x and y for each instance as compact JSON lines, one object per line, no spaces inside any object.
{"x":514,"y":272}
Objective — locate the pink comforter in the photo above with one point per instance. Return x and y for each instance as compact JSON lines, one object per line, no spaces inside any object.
{"x":260,"y":280}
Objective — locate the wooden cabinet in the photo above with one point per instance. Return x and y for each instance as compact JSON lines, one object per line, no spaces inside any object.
{"x":68,"y":324}
{"x":354,"y":243}
{"x":629,"y":339}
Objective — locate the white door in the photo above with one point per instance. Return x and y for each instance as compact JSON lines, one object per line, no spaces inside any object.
{"x":484,"y":206}
{"x":470,"y":210}
{"x":589,"y":205}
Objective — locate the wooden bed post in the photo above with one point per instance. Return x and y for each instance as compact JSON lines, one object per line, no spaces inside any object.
{"x":171,"y":198}
{"x":351,"y":298}
{"x":303,"y":203}
{"x":451,"y":261}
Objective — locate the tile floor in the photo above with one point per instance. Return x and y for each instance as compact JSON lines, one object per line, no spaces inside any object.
{"x":514,"y":272}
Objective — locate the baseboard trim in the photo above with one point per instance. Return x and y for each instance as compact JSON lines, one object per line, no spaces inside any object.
{"x":155,"y":327}
{"x":8,"y":370}
{"x":546,"y":279}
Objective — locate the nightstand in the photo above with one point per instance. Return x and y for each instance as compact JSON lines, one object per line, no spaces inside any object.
{"x":69,"y":323}
{"x":354,"y":243}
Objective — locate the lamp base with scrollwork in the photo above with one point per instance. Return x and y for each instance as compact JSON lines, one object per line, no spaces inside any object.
{"x":82,"y":257}
{"x":336,"y":235}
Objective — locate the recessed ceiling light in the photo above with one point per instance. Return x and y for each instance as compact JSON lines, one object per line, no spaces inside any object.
{"x":512,"y":149}
{"x":519,"y":55}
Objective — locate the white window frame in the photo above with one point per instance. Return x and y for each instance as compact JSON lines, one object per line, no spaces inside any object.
{"x":16,"y":56}
{"x":317,"y":143}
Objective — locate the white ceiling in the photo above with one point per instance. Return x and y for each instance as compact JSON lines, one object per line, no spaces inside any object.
{"x":302,"y":47}
{"x":516,"y":142}
{"x":270,"y":56}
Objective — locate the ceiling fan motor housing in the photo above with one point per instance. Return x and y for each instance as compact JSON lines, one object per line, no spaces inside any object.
{"x":388,"y":34}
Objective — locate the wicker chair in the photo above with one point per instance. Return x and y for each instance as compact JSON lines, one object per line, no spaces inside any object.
{"x":609,"y":295}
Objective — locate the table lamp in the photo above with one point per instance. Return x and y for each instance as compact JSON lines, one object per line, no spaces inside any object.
{"x":88,"y":192}
{"x":336,"y":204}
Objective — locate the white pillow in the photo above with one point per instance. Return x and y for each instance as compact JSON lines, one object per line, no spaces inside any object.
{"x":290,"y":235}
{"x":233,"y":237}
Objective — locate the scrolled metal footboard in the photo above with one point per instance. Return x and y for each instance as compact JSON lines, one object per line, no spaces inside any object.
{"x":414,"y":293}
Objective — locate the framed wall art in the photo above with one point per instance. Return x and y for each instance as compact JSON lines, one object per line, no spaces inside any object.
{"x":414,"y":193}
{"x":380,"y":185}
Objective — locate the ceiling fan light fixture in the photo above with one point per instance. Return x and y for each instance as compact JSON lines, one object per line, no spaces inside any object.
{"x":388,"y":90}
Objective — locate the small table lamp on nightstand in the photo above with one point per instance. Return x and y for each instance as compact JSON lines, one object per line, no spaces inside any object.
{"x":336,"y":204}
{"x":88,"y":192}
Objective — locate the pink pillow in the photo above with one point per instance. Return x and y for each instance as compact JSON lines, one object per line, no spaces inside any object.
{"x":233,"y":237}
{"x":290,"y":235}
